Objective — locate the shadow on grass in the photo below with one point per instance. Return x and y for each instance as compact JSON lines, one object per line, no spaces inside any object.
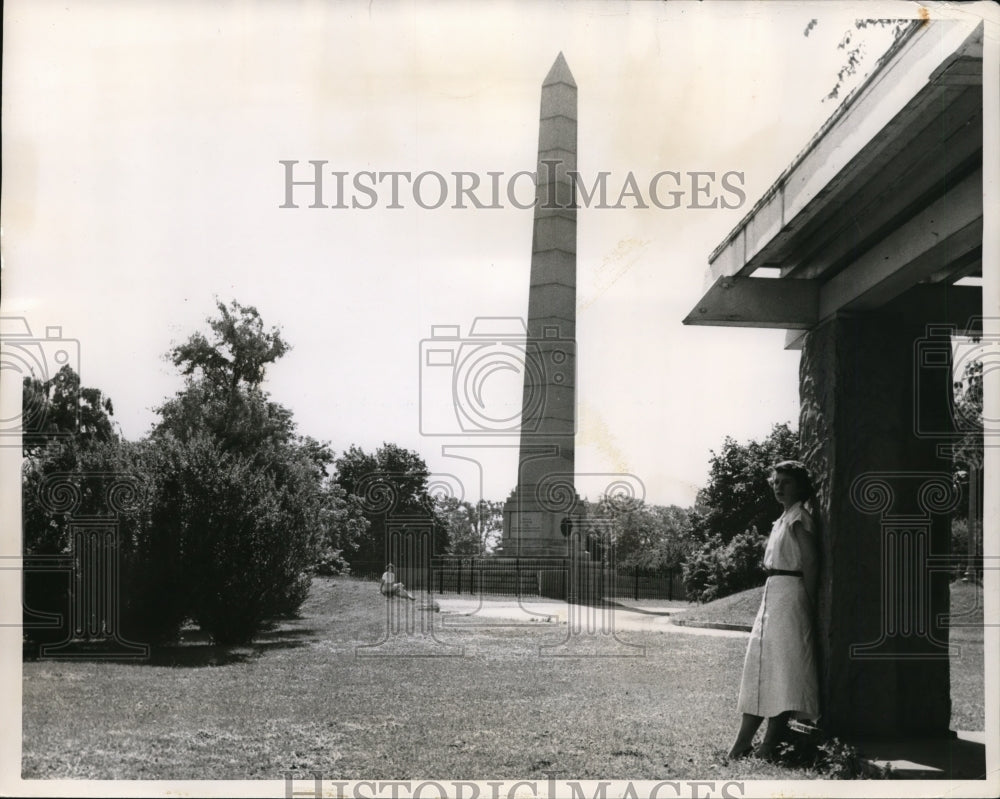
{"x":642,"y":611}
{"x":208,"y":654}
{"x":195,"y":650}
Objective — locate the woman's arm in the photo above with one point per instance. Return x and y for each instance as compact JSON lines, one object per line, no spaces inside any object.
{"x":810,"y":560}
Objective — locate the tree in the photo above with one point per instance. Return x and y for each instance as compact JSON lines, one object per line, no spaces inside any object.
{"x":968,"y":412}
{"x":232,"y":509}
{"x":239,"y":354}
{"x":734,"y":513}
{"x":716,"y":570}
{"x":222,"y":394}
{"x":968,"y":461}
{"x":247,"y":536}
{"x":114,"y":479}
{"x":738,"y":496}
{"x":390,"y":485}
{"x":249,"y":503}
{"x":60,"y":407}
{"x":343,"y":525}
{"x":642,"y":535}
{"x":672,"y":542}
{"x":68,"y":434}
{"x":472,"y":528}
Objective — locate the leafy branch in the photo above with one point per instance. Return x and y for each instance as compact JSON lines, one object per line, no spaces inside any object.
{"x":854,"y":46}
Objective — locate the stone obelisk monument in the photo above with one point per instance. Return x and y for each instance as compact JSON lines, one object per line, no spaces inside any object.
{"x":540,"y":513}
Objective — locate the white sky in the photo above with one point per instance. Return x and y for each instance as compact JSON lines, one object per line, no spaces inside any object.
{"x":141,"y":145}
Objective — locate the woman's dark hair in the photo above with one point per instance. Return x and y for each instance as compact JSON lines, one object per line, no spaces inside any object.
{"x":798,"y":470}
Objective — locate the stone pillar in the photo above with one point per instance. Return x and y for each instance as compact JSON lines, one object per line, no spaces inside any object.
{"x":873,"y":409}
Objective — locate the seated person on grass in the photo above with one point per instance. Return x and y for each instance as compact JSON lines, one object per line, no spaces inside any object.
{"x":389,"y":587}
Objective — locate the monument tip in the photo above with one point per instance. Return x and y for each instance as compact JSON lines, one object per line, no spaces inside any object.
{"x":560,"y":72}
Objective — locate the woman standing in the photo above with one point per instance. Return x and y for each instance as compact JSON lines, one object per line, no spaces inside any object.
{"x":779,"y":670}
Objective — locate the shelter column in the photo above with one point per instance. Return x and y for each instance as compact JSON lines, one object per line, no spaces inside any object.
{"x":875,"y":407}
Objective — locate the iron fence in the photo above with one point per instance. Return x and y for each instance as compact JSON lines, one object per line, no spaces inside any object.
{"x":512,"y":577}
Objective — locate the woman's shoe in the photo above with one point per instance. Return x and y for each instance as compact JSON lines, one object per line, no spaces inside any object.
{"x":739,"y":754}
{"x":766,"y":752}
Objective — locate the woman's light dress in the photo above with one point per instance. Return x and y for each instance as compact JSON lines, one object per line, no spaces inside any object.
{"x":779,"y":670}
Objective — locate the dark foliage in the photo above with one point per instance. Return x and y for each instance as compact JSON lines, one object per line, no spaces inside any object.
{"x":221,"y":515}
{"x":734,"y":514}
{"x":716,"y":570}
{"x":738,"y":496}
{"x":389,"y":489}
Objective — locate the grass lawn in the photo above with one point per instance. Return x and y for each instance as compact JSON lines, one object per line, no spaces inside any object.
{"x":967,"y":666}
{"x":968,"y":701}
{"x":738,"y":608}
{"x":302,"y":699}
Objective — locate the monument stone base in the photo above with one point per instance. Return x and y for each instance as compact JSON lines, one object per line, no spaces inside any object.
{"x":554,"y":542}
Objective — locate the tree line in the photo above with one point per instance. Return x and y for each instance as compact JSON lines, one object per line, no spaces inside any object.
{"x":231,"y":511}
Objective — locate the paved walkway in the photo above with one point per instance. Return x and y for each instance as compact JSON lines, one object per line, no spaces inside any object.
{"x":460,"y":610}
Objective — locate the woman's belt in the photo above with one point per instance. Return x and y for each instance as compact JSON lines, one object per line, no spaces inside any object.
{"x":782,"y":572}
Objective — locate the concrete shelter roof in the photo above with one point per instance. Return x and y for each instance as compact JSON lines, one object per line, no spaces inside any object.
{"x":885,"y":200}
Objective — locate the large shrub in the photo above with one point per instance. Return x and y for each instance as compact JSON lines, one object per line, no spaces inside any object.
{"x":114,"y":482}
{"x":247,"y":499}
{"x":247,"y":535}
{"x":221,"y":513}
{"x":716,"y":570}
{"x":72,"y":457}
